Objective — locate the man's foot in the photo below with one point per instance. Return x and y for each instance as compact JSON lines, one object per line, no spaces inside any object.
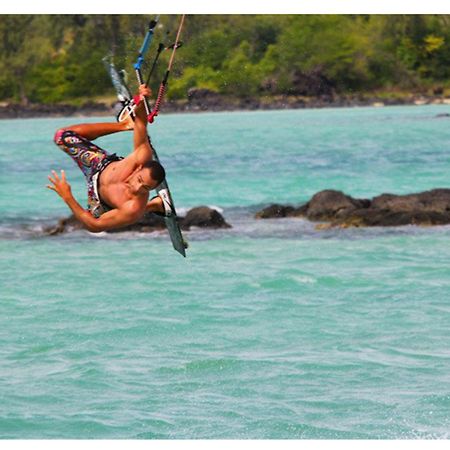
{"x":161,"y":204}
{"x":127,"y":114}
{"x":128,"y":122}
{"x":167,"y":204}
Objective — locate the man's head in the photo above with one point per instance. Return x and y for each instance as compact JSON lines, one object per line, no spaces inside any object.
{"x":147,"y":177}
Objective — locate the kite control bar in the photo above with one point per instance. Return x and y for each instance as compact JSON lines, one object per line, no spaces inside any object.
{"x":151,"y":114}
{"x":140,"y":59}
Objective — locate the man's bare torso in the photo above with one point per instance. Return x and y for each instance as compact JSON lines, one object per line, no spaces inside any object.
{"x":113,"y":187}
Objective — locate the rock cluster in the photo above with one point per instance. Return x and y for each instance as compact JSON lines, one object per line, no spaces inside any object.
{"x":201,"y":216}
{"x":338,"y":209}
{"x":329,"y":207}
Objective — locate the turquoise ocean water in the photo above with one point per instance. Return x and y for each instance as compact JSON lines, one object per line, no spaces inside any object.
{"x":270,"y":329}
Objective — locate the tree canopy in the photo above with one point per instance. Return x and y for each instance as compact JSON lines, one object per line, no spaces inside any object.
{"x":57,"y":58}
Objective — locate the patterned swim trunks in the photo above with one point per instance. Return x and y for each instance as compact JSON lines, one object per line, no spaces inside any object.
{"x":91,"y":159}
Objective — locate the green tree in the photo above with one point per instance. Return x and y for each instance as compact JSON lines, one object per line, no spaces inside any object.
{"x":25,"y":44}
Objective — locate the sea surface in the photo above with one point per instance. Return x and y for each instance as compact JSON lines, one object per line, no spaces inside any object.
{"x":268,"y":330}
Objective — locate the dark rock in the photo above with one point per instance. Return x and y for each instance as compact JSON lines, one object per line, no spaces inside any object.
{"x":203,"y":217}
{"x":148,"y":223}
{"x":64,"y":225}
{"x":424,"y":208}
{"x":204,"y":99}
{"x":248,"y":103}
{"x":270,"y":85}
{"x":91,"y":107}
{"x":16,"y":110}
{"x":313,"y":83}
{"x":437,"y":200}
{"x":331,"y":205}
{"x":340,"y":210}
{"x":200,"y":94}
{"x":275,"y":211}
{"x":386,"y":218}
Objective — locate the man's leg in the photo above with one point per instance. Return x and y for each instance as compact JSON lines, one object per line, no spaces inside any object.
{"x":91,"y":131}
{"x":155,"y":205}
{"x":161,"y":204}
{"x":85,"y":153}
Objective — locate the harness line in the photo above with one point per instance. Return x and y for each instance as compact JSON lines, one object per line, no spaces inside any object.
{"x":162,"y":87}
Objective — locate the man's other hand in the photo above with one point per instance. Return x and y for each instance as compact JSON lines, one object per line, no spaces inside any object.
{"x":60,"y":185}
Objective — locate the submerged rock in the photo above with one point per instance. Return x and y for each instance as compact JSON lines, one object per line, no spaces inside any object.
{"x":64,"y":225}
{"x":276,"y":211}
{"x":423,"y":208}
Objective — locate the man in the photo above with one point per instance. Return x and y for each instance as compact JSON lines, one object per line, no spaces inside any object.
{"x":118,"y":188}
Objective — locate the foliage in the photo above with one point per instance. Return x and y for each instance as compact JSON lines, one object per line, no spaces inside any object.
{"x":54,"y":58}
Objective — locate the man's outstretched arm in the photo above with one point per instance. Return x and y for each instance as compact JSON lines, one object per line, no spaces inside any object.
{"x":116,"y":218}
{"x":143,"y":151}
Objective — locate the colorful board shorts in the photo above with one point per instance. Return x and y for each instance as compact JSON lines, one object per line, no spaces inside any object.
{"x":91,"y":159}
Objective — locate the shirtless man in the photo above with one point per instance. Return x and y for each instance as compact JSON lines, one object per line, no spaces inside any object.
{"x":118,"y":188}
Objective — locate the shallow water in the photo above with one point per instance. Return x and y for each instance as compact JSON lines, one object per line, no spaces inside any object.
{"x":270,"y":329}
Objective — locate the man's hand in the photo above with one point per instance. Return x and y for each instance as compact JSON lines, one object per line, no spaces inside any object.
{"x":60,"y":185}
{"x":144,"y":91}
{"x":128,"y":214}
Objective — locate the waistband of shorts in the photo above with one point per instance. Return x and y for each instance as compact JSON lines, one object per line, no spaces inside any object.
{"x":106,"y":161}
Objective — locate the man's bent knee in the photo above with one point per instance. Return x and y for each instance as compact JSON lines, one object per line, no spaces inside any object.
{"x":57,"y":139}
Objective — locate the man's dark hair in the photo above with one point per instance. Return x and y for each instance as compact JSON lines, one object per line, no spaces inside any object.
{"x":156,"y":170}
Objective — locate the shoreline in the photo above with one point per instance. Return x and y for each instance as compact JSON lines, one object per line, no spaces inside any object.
{"x":202,"y":101}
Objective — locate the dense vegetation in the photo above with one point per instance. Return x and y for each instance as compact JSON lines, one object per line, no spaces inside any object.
{"x":58,"y":58}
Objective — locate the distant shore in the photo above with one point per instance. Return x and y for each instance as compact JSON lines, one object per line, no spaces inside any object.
{"x":203,"y":101}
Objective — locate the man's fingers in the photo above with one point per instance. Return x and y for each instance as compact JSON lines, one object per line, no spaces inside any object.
{"x":58,"y":184}
{"x":56,"y":178}
{"x":145,"y":91}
